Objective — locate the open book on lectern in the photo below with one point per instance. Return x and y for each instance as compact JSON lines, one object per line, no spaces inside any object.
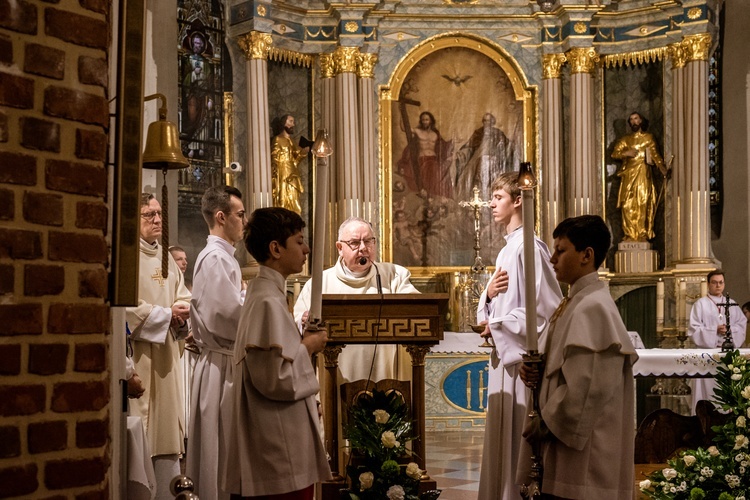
{"x":387,"y":318}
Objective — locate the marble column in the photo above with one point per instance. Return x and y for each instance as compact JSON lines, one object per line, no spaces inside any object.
{"x":328,"y":122}
{"x":348,"y":172}
{"x":552,"y":198}
{"x":366,"y":73}
{"x":256,"y":45}
{"x":583,"y":175}
{"x":693,"y":198}
{"x":678,"y":186}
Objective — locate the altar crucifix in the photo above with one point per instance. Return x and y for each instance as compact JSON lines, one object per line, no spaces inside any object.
{"x":728,"y":344}
{"x":476,"y":203}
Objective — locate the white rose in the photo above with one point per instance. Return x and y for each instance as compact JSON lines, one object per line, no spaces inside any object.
{"x":689,"y":460}
{"x":413,"y":471}
{"x":732,"y":480}
{"x":713,"y":451}
{"x":669,"y":473}
{"x":707,"y":472}
{"x":389,"y":440}
{"x":746,"y":393}
{"x":736,"y":370}
{"x":740,"y":421}
{"x":645,"y":484}
{"x":381,"y":416}
{"x":365,"y":480}
{"x":740,"y":441}
{"x":730,"y":366}
{"x":395,"y":492}
{"x":736,"y":376}
{"x":748,"y":412}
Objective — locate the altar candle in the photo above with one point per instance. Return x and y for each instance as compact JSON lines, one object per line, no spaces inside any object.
{"x":319,"y":228}
{"x":297,"y":287}
{"x":532,"y":338}
{"x":682,"y":303}
{"x":660,"y":305}
{"x":704,"y":287}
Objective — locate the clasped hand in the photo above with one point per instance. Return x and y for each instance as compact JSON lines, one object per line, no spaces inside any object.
{"x":498,"y":284}
{"x":180,"y":314}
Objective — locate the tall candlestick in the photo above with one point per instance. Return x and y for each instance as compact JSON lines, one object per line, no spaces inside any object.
{"x":529,"y":268}
{"x":321,"y":150}
{"x":682,"y":304}
{"x":659,"y":306}
{"x":704,"y":287}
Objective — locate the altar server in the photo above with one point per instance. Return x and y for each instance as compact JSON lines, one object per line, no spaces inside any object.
{"x":586,"y":397}
{"x":276,"y":448}
{"x":502,"y":306}
{"x":216,"y":304}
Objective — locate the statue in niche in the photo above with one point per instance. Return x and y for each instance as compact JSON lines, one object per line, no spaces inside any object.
{"x":637,"y":196}
{"x":286,"y":183}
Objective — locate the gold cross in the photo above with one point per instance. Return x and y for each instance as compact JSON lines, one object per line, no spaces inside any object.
{"x":158,"y":277}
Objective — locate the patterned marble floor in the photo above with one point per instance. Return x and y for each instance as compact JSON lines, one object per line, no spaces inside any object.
{"x":453,"y":460}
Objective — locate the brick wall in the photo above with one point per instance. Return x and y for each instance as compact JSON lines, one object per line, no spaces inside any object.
{"x":54,"y":319}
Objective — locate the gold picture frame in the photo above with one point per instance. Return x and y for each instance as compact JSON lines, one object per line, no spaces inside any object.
{"x":460,"y":80}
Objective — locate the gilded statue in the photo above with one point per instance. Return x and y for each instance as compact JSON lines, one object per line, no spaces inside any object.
{"x":285,"y":157}
{"x":637,"y":196}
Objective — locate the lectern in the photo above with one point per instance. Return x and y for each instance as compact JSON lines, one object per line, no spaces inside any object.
{"x":415,"y":320}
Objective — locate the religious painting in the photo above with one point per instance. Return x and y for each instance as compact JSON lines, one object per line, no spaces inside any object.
{"x":456,"y":119}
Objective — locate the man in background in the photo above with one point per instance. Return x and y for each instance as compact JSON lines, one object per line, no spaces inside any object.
{"x":157,"y":325}
{"x":216,"y":305}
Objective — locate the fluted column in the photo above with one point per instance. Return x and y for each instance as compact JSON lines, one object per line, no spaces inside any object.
{"x":366,"y":73}
{"x":679,"y":187}
{"x":695,"y":230}
{"x":255,"y":45}
{"x":582,"y":196}
{"x":551,"y":175}
{"x":328,"y":122}
{"x":349,"y":183}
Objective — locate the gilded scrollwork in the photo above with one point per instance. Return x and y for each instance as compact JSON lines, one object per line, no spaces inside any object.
{"x":327,"y":68}
{"x":582,"y":59}
{"x":366,"y":66}
{"x":345,"y":59}
{"x":677,"y":54}
{"x":255,"y":45}
{"x":696,"y":47}
{"x":552,"y":65}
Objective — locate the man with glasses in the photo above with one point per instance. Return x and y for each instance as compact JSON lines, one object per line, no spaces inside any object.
{"x":216,"y":305}
{"x":157,"y":325}
{"x":355,"y":272}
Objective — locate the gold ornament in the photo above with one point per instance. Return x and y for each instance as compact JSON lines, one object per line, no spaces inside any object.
{"x":366,"y":67}
{"x":351,"y":27}
{"x":582,"y":59}
{"x":255,"y":45}
{"x":345,"y":59}
{"x":327,"y":68}
{"x":694,"y":13}
{"x":580,"y":28}
{"x":696,"y":47}
{"x":552,"y":65}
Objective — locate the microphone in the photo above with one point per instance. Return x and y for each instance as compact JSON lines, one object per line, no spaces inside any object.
{"x":362,"y":261}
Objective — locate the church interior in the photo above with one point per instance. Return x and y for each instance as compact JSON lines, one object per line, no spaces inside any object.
{"x":424,"y":103}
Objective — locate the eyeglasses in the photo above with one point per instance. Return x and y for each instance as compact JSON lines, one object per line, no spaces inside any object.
{"x":355,"y":244}
{"x":149,"y":216}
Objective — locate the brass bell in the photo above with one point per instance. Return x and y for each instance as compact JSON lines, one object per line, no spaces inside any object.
{"x":162,"y":149}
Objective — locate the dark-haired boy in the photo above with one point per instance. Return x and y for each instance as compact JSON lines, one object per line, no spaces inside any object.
{"x":277,"y":449}
{"x":586,"y":393}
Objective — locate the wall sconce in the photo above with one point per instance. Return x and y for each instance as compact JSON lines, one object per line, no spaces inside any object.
{"x":162,"y":152}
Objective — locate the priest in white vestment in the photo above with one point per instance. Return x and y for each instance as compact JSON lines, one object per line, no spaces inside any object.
{"x":215,"y":314}
{"x":355,"y":272}
{"x":708,"y":328}
{"x":505,"y":313}
{"x":157,"y":325}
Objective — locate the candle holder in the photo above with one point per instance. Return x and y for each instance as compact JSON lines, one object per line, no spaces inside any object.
{"x":533,"y":489}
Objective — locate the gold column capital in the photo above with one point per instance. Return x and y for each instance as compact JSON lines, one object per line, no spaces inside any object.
{"x":327,"y":68}
{"x":696,"y":47}
{"x":552,"y":65}
{"x":345,"y":59}
{"x":677,"y":54}
{"x":255,"y":45}
{"x":331,"y":355}
{"x":366,"y":66}
{"x":582,"y":59}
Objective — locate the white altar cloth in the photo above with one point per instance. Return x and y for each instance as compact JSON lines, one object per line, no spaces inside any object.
{"x":678,"y":362}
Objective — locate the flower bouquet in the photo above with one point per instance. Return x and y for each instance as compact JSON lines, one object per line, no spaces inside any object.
{"x":378,"y":430}
{"x":722,"y":471}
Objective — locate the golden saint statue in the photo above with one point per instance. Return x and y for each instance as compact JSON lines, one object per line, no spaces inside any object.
{"x":285,"y":157}
{"x":637,"y":196}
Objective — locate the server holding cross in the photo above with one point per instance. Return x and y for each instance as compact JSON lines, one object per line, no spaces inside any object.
{"x":715,"y":321}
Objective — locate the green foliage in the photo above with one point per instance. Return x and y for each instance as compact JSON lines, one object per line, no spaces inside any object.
{"x":723,"y":471}
{"x":379,"y":429}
